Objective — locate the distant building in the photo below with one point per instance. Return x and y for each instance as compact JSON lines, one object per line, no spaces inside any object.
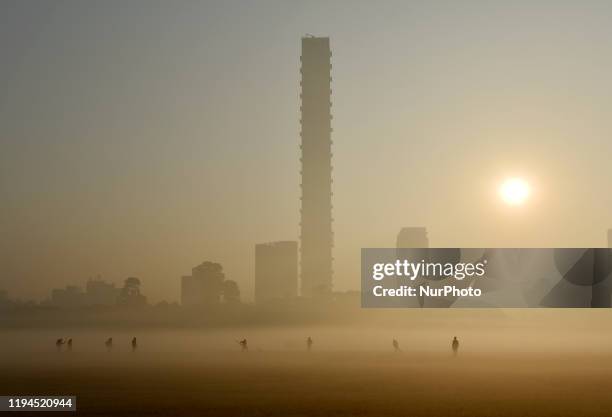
{"x":69,"y":297}
{"x":97,"y":293}
{"x":206,"y":286}
{"x":316,"y":239}
{"x":412,"y":237}
{"x":276,"y":271}
{"x":101,"y":293}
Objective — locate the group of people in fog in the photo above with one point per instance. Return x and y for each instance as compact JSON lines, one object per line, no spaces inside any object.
{"x":59,"y":344}
{"x":454,"y":345}
{"x":244,"y":346}
{"x":109,"y":344}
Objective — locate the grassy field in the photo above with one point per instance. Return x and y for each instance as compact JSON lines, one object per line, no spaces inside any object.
{"x":319,"y":383}
{"x":540,"y":364}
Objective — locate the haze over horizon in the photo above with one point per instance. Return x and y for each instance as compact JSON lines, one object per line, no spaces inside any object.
{"x":141,"y":138}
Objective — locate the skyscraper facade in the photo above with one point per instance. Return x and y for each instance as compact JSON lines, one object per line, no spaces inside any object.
{"x":316,"y":238}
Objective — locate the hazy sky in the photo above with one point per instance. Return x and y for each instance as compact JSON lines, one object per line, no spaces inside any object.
{"x":140,"y":138}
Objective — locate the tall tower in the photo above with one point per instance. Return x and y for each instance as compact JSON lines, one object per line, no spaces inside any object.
{"x":316,"y":219}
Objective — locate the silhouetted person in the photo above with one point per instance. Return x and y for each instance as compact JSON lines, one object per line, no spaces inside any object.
{"x":309,"y":343}
{"x":243,"y":345}
{"x":134,"y":344}
{"x":59,"y":343}
{"x":109,"y":344}
{"x":455,"y":345}
{"x":396,"y":346}
{"x":70,"y":344}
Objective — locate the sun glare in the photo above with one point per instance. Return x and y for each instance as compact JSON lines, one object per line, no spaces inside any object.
{"x":514,"y":191}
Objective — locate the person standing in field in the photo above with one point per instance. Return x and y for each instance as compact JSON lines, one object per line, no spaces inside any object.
{"x":243,"y":345}
{"x":396,"y":347}
{"x":134,"y":344}
{"x":109,"y":344}
{"x":455,"y":346}
{"x":59,"y":343}
{"x":309,"y":343}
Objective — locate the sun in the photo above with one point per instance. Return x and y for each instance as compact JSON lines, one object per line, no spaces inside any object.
{"x":514,"y":191}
